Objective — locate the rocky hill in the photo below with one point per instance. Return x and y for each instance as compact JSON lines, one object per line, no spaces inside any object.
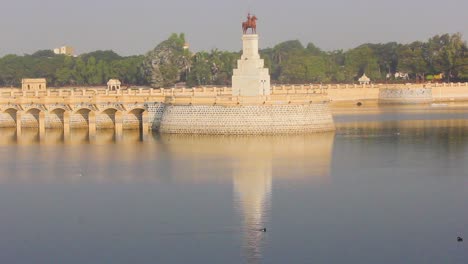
{"x":168,"y":63}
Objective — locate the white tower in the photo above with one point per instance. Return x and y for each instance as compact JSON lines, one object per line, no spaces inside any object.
{"x":250,"y":78}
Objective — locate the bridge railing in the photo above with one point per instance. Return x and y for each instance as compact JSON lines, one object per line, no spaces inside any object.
{"x":246,"y":100}
{"x":95,"y":92}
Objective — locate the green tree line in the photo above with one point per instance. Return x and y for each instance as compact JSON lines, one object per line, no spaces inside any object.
{"x":289,"y":62}
{"x":94,"y":68}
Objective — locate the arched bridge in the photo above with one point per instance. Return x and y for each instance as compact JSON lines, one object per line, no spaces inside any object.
{"x":99,"y":108}
{"x":90,"y":109}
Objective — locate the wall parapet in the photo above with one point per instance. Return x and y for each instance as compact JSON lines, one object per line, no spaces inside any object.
{"x":422,"y":94}
{"x":204,"y":91}
{"x":247,"y":100}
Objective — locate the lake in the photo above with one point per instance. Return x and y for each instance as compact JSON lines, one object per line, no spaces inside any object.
{"x":389,"y":186}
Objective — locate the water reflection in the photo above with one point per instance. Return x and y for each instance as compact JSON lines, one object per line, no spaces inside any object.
{"x":53,"y":158}
{"x":248,"y":163}
{"x":287,"y":156}
{"x":252,"y":185}
{"x":373,"y":108}
{"x":410,"y":144}
{"x":452,"y":127}
{"x":324,"y":195}
{"x":28,"y":136}
{"x":254,"y":162}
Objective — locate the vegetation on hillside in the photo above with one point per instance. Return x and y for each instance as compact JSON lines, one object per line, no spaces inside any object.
{"x":93,"y":68}
{"x":441,"y":57}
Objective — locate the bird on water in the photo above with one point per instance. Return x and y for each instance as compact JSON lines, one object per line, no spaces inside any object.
{"x":263,"y":230}
{"x":459,"y":239}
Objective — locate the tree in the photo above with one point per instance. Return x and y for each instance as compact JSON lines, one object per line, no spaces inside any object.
{"x":92,"y":77}
{"x":453,"y":55}
{"x":359,"y":61}
{"x":411,"y":59}
{"x":43,"y":54}
{"x":200,"y":73}
{"x":79,"y":72}
{"x":314,"y":50}
{"x":65,"y":74}
{"x":289,"y":62}
{"x":387,"y":57}
{"x":102,"y":55}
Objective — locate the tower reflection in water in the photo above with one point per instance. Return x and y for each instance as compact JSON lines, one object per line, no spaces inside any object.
{"x":250,"y":164}
{"x":254,"y":163}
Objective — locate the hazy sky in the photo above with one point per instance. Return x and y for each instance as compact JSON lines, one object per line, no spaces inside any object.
{"x":136,"y":26}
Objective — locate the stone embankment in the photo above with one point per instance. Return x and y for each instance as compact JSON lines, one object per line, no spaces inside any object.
{"x":142,"y":108}
{"x":372,"y":92}
{"x":406,"y":95}
{"x":253,"y":116}
{"x":139,"y":108}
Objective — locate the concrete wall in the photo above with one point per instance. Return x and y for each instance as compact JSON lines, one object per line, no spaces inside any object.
{"x":351,"y":93}
{"x":450,"y":92}
{"x":440,"y":92}
{"x":405,"y":95}
{"x":242,"y":120}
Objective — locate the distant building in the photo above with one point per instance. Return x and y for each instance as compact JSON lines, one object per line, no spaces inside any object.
{"x":37,"y":84}
{"x":364,"y":79}
{"x":65,"y":50}
{"x":113,"y":85}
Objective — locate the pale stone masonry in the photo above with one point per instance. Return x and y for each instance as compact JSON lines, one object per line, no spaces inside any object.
{"x":247,"y":120}
{"x":143,"y":108}
{"x":406,"y":95}
{"x":113,"y":85}
{"x":250,"y":78}
{"x":249,"y":109}
{"x":33,"y":84}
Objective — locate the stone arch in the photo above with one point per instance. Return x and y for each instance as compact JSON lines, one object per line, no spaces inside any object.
{"x":30,"y":119}
{"x":8,"y":117}
{"x":106,"y":118}
{"x":55,"y":118}
{"x":57,"y":108}
{"x":133,"y":119}
{"x":80,"y":118}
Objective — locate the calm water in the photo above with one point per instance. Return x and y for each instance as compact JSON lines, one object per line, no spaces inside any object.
{"x":387,"y":187}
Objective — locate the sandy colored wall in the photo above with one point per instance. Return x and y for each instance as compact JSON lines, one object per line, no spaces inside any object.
{"x":440,"y":92}
{"x":246,"y":120}
{"x":132,"y":119}
{"x":412,"y":95}
{"x":353,"y":94}
{"x":454,"y":92}
{"x":152,"y":100}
